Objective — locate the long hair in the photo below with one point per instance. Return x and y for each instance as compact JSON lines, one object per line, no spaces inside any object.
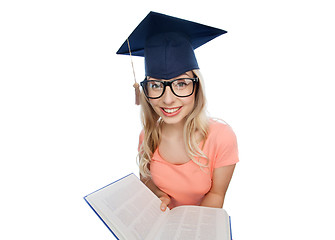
{"x":196,"y":121}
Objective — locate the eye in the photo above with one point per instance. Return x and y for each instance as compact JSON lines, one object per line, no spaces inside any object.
{"x":182,"y":83}
{"x":155,"y":85}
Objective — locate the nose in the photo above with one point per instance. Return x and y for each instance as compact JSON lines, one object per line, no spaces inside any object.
{"x":168,"y":96}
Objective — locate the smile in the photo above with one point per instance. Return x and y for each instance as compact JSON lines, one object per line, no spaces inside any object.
{"x":171,"y":111}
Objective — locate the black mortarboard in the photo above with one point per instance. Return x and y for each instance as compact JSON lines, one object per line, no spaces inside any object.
{"x":167,"y":43}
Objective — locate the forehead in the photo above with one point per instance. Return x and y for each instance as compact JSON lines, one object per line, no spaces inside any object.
{"x":188,"y":74}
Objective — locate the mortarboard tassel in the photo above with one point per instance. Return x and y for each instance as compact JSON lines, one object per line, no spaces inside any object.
{"x":137,"y":93}
{"x":136,"y":85}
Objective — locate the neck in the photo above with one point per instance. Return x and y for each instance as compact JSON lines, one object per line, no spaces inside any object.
{"x":173,"y":130}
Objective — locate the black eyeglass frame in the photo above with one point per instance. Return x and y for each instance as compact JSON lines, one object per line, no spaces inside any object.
{"x":168,"y":83}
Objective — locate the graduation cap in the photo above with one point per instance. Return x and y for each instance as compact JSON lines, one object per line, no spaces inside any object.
{"x":167,"y":44}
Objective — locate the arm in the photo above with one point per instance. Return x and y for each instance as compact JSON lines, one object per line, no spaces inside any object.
{"x":221,"y":179}
{"x":159,"y":193}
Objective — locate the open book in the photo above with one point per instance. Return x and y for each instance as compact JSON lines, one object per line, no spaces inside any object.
{"x":131,"y":211}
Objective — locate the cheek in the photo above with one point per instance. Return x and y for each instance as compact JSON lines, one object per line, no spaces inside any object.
{"x":153,"y":102}
{"x":189,"y":101}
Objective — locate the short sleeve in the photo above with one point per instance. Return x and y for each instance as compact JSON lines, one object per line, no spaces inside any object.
{"x":225,"y":146}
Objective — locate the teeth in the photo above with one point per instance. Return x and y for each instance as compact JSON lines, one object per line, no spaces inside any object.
{"x":171,"y":110}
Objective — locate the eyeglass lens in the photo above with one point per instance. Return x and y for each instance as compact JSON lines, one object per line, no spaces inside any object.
{"x":180,"y":87}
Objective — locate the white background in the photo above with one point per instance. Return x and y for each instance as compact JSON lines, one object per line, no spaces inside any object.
{"x":69,"y":124}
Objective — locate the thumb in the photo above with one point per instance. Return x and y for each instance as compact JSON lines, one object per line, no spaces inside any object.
{"x":165,"y":202}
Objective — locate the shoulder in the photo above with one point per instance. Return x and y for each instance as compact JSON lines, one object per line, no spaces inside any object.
{"x":220,"y":136}
{"x":140,"y":139}
{"x":220,"y":129}
{"x":141,"y":136}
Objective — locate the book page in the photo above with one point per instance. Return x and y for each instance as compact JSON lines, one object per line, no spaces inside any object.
{"x":128,"y":207}
{"x":195,"y":222}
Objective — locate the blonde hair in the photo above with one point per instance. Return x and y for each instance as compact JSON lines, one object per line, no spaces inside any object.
{"x":197,"y":121}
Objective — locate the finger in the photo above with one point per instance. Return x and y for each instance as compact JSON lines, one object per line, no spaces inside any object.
{"x":165,"y":202}
{"x":163,"y":207}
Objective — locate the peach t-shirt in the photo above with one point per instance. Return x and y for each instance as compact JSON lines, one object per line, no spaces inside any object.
{"x":187,"y":183}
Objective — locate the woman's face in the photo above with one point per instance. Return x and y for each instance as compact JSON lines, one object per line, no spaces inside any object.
{"x":169,"y":107}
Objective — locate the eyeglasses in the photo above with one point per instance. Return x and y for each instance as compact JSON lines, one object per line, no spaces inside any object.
{"x":181,"y":87}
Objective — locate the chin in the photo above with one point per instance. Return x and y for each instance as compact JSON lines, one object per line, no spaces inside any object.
{"x":173,"y":120}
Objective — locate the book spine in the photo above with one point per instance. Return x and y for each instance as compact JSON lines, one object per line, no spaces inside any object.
{"x":85,"y":198}
{"x":231,"y":235}
{"x":100,"y":218}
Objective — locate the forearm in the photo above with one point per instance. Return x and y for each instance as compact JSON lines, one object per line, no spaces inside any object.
{"x":212,"y":199}
{"x":221,"y":179}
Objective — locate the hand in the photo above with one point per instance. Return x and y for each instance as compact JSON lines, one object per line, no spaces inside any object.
{"x":165,"y":202}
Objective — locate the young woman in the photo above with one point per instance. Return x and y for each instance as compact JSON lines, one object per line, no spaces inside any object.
{"x":185,"y":157}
